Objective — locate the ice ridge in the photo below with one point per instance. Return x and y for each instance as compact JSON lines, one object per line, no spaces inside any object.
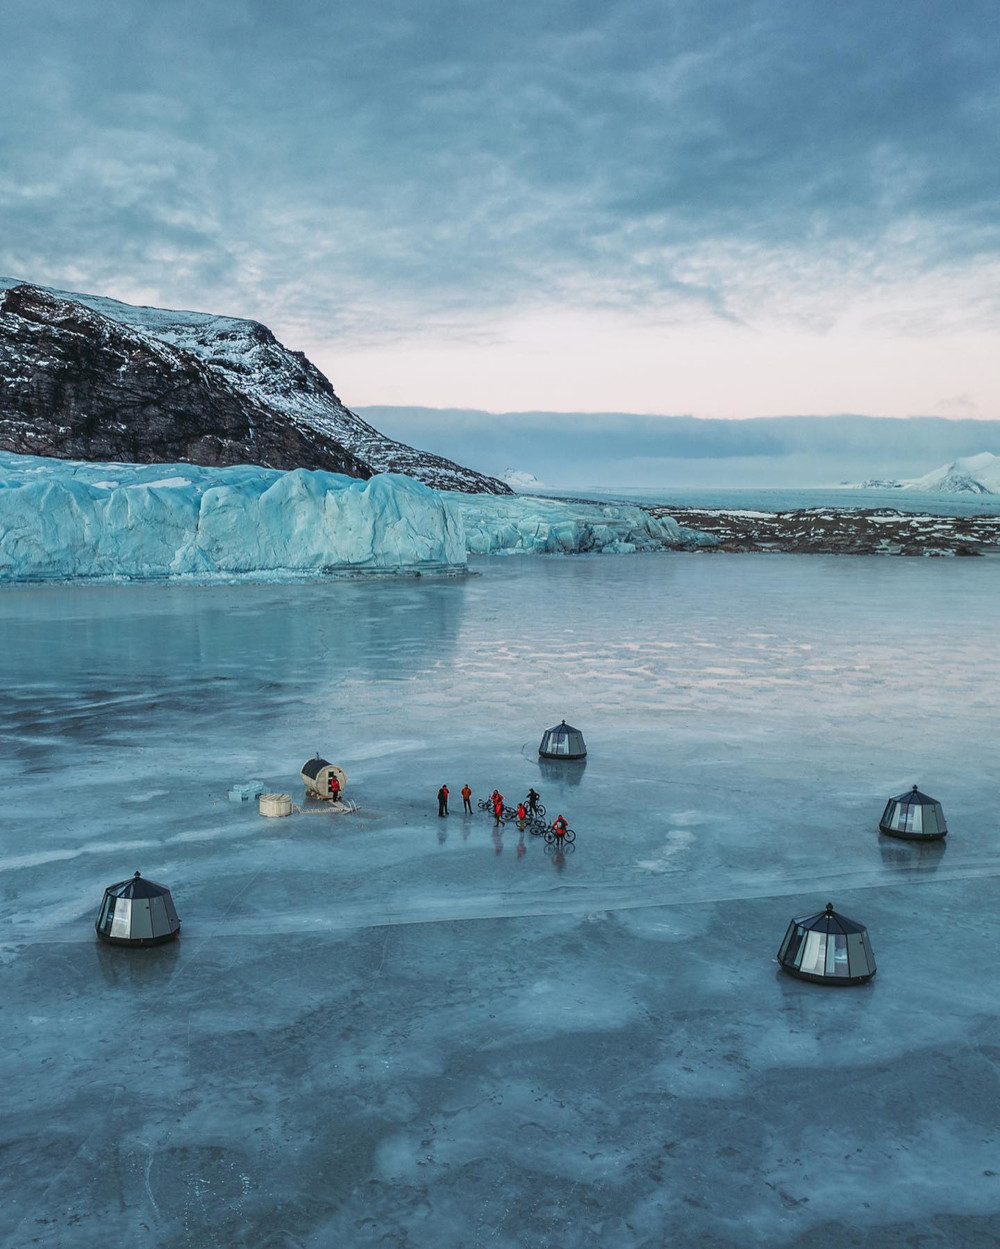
{"x":67,"y":519}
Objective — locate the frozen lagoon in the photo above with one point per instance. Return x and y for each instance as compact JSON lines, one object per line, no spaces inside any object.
{"x":391,"y":1029}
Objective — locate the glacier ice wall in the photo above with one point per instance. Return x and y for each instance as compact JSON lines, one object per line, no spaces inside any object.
{"x":62,"y":519}
{"x":495,"y":525}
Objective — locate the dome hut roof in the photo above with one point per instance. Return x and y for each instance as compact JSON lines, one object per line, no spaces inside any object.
{"x":562,"y":742}
{"x":137,"y":911}
{"x":827,"y":948}
{"x":913,"y":816}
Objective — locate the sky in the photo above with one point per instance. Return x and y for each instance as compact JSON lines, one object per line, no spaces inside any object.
{"x":653,"y":206}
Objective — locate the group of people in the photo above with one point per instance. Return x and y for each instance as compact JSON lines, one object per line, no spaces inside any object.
{"x":444,"y":793}
{"x":526,"y":808}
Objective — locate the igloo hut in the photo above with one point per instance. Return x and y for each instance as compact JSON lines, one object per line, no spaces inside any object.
{"x":319,"y":775}
{"x":913,"y":816}
{"x":137,"y":912}
{"x":562,"y":742}
{"x":827,"y":948}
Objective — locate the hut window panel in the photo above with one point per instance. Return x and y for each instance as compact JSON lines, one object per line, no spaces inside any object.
{"x":122,"y":918}
{"x":158,"y":917}
{"x":857,"y":959}
{"x":887,"y":814}
{"x":836,"y":955}
{"x":141,"y":923}
{"x":814,"y":954}
{"x":106,"y":910}
{"x":794,"y":945}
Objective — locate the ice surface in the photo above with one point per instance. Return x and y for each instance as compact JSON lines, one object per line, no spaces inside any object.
{"x":62,"y":519}
{"x":390,"y":1029}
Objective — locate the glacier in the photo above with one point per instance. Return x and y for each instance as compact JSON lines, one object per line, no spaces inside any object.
{"x":63,"y":519}
{"x":67,"y":519}
{"x":499,"y":525}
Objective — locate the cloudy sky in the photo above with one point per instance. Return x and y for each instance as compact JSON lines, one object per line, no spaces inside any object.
{"x":754,"y":207}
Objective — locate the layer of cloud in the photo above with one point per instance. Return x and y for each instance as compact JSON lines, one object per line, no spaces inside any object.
{"x":356,"y":173}
{"x":616,"y":449}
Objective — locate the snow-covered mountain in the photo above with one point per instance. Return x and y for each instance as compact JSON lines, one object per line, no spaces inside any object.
{"x":87,"y":377}
{"x":974,"y":474}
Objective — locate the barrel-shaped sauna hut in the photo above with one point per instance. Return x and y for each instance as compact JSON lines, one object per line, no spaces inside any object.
{"x":914,"y":817}
{"x":324,"y":779}
{"x":137,"y":912}
{"x":562,"y":742}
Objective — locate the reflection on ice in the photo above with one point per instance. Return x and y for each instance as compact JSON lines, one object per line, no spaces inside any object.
{"x":567,"y":772}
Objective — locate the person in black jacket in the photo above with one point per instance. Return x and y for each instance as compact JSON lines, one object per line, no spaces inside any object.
{"x":443,"y":800}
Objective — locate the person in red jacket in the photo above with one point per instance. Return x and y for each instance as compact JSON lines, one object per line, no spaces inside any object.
{"x":443,"y":801}
{"x":466,"y":799}
{"x":560,"y":824}
{"x":522,"y":815}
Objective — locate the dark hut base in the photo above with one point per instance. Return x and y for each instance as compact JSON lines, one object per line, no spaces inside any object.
{"x":170,"y":936}
{"x":838,"y":982}
{"x":892,"y":832}
{"x":562,"y":758}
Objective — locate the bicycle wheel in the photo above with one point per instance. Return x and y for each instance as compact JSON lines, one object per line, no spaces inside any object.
{"x":569,"y":836}
{"x":540,"y":811}
{"x":549,"y":837}
{"x":483,"y":805}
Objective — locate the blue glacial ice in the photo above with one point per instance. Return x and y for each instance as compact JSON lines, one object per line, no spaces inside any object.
{"x":500,"y":525}
{"x":63,"y":519}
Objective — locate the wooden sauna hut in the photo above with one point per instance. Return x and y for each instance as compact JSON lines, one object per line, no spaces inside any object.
{"x":319,"y":775}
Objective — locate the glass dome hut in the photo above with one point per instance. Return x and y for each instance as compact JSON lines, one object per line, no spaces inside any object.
{"x":562,"y":742}
{"x":137,"y":912}
{"x":913,"y":816}
{"x":827,"y":948}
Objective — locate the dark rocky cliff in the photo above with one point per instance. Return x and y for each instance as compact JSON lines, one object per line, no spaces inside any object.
{"x":87,"y":378}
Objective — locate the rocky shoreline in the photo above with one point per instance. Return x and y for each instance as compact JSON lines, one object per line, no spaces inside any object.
{"x":841,"y":531}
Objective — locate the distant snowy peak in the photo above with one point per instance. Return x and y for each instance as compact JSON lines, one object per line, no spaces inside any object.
{"x":519,"y":479}
{"x":83,"y":376}
{"x":974,"y":474}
